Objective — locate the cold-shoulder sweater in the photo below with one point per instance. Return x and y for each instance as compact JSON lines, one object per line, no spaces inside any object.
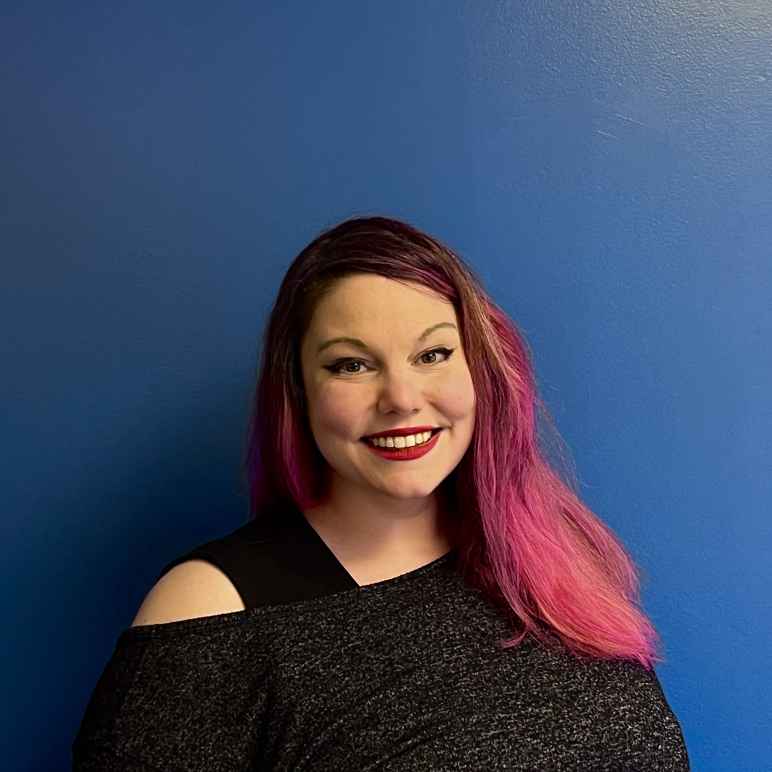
{"x":319,"y":673}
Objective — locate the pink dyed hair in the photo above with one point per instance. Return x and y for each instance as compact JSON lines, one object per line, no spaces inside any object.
{"x":521,"y":533}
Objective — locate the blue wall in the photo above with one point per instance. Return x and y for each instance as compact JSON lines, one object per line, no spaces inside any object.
{"x":605,"y":166}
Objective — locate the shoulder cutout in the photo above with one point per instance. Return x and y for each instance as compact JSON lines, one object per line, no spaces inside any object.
{"x":194,"y":588}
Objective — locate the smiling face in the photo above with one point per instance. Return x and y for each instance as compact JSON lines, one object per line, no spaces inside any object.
{"x":403,"y":378}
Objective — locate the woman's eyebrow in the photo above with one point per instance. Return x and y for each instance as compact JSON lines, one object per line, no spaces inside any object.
{"x":361,"y":344}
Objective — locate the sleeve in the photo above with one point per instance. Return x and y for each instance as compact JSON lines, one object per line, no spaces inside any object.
{"x":100,"y":759}
{"x":672,"y":727}
{"x":170,"y":700}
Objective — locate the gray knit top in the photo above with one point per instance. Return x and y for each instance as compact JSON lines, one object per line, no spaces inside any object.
{"x":319,"y":673}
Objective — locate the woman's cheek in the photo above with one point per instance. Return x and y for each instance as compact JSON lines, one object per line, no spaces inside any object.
{"x":336,"y":411}
{"x":456,"y":397}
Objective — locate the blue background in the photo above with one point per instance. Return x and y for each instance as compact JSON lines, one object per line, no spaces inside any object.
{"x":606,"y":167}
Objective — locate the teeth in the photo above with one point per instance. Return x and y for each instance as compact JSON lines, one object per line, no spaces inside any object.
{"x":401,"y":442}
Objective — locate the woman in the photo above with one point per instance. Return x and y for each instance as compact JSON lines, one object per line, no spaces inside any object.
{"x":417,"y":588}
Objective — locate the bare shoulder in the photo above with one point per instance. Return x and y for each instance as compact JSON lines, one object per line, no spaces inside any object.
{"x":195,"y":588}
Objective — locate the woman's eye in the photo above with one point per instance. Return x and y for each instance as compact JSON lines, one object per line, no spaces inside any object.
{"x":338,"y":367}
{"x":341,"y":366}
{"x":446,"y":351}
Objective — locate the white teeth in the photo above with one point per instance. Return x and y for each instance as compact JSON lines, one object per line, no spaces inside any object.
{"x":401,"y":442}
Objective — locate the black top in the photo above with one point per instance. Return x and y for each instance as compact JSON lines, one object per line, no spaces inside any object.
{"x":277,"y":559}
{"x":321,"y":674}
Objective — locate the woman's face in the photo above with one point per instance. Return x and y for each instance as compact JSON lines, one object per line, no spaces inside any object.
{"x":392,"y":382}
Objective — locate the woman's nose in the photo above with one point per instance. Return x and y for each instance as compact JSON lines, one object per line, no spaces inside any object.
{"x":400,"y":393}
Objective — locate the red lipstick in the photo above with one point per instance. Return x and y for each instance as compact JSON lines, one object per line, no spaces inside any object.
{"x":402,"y":431}
{"x":405,"y":454}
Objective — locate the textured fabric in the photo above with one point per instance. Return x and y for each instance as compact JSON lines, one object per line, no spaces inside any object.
{"x":403,"y":674}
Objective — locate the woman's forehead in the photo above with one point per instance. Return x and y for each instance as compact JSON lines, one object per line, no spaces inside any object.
{"x":371,"y":299}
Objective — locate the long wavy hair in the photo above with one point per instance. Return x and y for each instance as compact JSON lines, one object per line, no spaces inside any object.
{"x":521,"y":534}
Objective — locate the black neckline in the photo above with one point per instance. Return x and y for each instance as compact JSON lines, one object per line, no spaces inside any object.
{"x":311,"y":534}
